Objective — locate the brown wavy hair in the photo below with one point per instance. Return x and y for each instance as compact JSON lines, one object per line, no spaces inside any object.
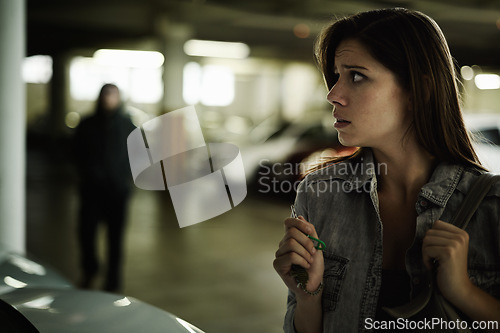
{"x":412,"y":46}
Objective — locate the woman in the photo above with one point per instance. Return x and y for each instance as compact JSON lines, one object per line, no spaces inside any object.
{"x":382,"y":210}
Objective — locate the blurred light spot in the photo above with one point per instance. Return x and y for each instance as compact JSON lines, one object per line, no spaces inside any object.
{"x":498,"y":24}
{"x":191,"y":83}
{"x":477,"y":69}
{"x":146,"y":85}
{"x":129,"y":58}
{"x":28,"y":266}
{"x":140,"y":84}
{"x":37,"y":69}
{"x":487,"y":81}
{"x":42,"y":303}
{"x":122,"y":302}
{"x":190,"y":328}
{"x":301,"y":30}
{"x":72,"y":119}
{"x":467,"y":72}
{"x":217,"y":85}
{"x":236,"y":124}
{"x":10,"y":281}
{"x":212,"y":85}
{"x":299,"y":83}
{"x":85,"y":79}
{"x":207,"y":48}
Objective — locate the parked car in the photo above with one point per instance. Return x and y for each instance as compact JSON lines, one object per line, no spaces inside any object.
{"x":34,"y":298}
{"x":276,"y":163}
{"x":485,"y":128}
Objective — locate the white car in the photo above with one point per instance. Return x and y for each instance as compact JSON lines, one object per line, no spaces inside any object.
{"x":288,"y":145}
{"x":35,"y":299}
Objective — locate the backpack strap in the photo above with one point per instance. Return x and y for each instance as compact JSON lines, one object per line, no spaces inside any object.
{"x":473,"y":199}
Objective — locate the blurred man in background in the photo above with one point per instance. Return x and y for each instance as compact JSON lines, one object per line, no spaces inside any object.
{"x":103,"y":167}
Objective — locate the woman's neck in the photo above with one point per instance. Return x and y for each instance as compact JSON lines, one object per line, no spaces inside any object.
{"x":406,"y":169}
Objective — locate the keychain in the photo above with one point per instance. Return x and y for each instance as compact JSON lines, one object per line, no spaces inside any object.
{"x":298,"y":272}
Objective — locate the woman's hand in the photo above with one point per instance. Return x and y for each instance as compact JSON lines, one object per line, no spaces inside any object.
{"x":297,"y":249}
{"x":448,"y":245}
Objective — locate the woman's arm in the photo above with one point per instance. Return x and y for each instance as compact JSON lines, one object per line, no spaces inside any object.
{"x":297,"y":249}
{"x":479,"y":305}
{"x":449,"y":245}
{"x":308,"y":314}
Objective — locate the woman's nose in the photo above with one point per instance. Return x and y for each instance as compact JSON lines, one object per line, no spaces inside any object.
{"x":336,"y":95}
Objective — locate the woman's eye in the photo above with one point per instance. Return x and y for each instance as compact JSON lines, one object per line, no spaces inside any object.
{"x":357,"y":77}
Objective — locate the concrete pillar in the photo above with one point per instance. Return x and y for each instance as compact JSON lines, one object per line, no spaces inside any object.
{"x":58,"y":96}
{"x":174,"y":35}
{"x":12,"y":125}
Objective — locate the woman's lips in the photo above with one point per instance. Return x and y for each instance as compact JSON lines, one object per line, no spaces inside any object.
{"x":341,"y":123}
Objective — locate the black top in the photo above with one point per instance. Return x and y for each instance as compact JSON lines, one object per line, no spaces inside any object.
{"x":394,"y":291}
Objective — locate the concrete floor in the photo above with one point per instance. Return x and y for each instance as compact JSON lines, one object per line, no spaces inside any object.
{"x":218,"y":274}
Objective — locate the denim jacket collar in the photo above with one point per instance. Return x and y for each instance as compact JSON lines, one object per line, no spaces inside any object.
{"x":363,"y":169}
{"x":443,"y":182}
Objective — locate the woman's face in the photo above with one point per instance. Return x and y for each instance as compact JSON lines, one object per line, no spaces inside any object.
{"x":369,"y":106}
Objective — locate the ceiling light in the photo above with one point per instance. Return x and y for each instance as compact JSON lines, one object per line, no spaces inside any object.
{"x":467,"y":72}
{"x":37,"y":69}
{"x":207,"y":48}
{"x":487,"y":81}
{"x":129,"y":58}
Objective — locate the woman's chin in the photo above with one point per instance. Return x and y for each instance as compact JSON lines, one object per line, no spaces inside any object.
{"x":348,"y":142}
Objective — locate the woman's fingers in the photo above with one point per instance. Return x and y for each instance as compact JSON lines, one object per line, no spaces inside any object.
{"x":295,"y":248}
{"x":431,"y":254}
{"x":283,"y":263}
{"x":448,"y":245}
{"x":446,"y":239}
{"x":310,"y":226}
{"x":441,"y":225}
{"x":443,"y":250}
{"x":300,"y":238}
{"x":291,"y":245}
{"x":300,"y":224}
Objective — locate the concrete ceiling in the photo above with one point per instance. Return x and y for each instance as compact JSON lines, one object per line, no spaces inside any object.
{"x":54,"y":26}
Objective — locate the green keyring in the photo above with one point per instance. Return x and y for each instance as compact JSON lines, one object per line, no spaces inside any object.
{"x":318,"y":244}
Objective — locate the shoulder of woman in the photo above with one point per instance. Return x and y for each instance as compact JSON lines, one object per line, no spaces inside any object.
{"x":470,"y":176}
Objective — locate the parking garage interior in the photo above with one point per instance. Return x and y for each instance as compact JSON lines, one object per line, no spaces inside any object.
{"x":216,"y":274}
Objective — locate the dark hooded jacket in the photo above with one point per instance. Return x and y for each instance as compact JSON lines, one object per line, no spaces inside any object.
{"x":101,"y":150}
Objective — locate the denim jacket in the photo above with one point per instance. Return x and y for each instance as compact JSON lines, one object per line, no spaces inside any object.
{"x":341,"y":202}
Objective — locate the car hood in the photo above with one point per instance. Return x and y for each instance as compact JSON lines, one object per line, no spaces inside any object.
{"x":72,"y":310}
{"x":17,"y":271}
